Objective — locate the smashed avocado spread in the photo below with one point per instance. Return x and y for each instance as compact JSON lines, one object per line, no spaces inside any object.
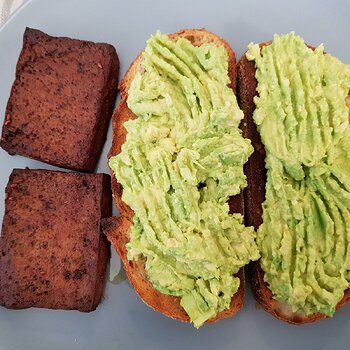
{"x":302,"y":118}
{"x":182,"y":159}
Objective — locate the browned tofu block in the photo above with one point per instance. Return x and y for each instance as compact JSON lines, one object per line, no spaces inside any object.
{"x":52,"y":252}
{"x":61,"y":101}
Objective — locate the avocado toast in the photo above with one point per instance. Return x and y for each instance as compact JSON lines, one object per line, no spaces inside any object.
{"x":300,"y":132}
{"x":176,"y":166}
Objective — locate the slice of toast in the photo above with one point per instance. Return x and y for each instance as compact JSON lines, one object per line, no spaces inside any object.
{"x":117,"y":229}
{"x":254,"y":195}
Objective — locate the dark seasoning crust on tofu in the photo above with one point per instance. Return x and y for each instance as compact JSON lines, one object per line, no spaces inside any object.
{"x":52,"y":251}
{"x":254,"y":196}
{"x":61,"y":101}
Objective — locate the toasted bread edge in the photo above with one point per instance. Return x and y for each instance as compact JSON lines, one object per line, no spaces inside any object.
{"x":254,"y":196}
{"x":117,"y":229}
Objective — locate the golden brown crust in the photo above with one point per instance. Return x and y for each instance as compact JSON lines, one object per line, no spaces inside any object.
{"x":280,"y":310}
{"x":117,"y":229}
{"x":254,"y":196}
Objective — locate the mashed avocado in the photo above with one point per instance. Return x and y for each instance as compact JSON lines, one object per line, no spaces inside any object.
{"x":182,"y":159}
{"x":302,"y":118}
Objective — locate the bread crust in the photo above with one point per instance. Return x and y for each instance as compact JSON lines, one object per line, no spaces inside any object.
{"x":117,"y":229}
{"x":254,"y":196}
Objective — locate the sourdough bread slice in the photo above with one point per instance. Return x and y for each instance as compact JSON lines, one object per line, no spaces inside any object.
{"x":117,"y":229}
{"x":254,"y":195}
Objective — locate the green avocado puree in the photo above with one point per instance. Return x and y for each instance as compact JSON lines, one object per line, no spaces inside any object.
{"x":182,"y":160}
{"x":302,"y":117}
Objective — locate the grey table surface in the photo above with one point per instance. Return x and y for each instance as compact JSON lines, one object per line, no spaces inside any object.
{"x":122,"y":321}
{"x":8,"y":8}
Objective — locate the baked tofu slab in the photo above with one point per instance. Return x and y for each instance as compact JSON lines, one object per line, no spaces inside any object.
{"x":52,"y":252}
{"x":61,"y":100}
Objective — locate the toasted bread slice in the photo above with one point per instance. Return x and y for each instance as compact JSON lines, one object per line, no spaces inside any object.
{"x":254,"y":195}
{"x":117,"y":229}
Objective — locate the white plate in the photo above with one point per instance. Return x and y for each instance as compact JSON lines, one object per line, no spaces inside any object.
{"x":122,"y":321}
